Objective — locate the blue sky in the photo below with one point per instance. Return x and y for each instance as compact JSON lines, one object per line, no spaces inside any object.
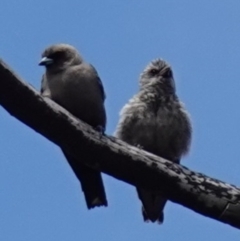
{"x":40,"y":198}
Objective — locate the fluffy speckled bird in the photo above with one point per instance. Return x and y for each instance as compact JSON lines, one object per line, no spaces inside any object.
{"x":76,"y":86}
{"x":156,"y":121}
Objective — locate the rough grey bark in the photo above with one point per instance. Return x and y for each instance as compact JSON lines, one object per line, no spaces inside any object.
{"x":205,"y":195}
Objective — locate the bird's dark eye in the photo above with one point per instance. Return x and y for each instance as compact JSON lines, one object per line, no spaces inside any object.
{"x":154,"y":72}
{"x":57,"y":55}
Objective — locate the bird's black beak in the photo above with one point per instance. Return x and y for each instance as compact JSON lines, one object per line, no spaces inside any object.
{"x":45,"y":61}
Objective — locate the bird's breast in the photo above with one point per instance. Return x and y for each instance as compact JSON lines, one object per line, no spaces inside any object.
{"x":79,"y":99}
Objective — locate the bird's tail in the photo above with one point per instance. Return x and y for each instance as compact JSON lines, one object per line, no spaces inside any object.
{"x":153,"y":205}
{"x":91,"y":182}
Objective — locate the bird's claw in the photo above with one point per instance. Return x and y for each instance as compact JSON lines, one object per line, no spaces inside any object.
{"x":100,"y":129}
{"x":139,"y":146}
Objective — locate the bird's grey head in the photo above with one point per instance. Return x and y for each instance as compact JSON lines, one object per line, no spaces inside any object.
{"x":60,"y":56}
{"x":158,"y":73}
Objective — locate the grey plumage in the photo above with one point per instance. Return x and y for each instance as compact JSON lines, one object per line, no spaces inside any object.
{"x":155,"y":120}
{"x":76,"y":86}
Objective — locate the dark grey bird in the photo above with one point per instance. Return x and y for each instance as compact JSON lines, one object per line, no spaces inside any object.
{"x":156,"y":121}
{"x":76,"y":86}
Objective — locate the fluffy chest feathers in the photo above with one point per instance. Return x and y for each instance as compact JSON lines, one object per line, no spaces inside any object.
{"x":157,"y":123}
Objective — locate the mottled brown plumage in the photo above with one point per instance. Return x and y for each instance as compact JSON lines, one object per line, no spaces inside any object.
{"x":155,"y":120}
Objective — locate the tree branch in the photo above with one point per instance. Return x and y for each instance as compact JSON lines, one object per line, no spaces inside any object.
{"x":205,"y":195}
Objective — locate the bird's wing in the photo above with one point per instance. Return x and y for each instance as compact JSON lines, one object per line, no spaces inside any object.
{"x":99,"y":82}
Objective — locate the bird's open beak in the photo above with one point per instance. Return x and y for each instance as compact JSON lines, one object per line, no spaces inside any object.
{"x":45,"y":61}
